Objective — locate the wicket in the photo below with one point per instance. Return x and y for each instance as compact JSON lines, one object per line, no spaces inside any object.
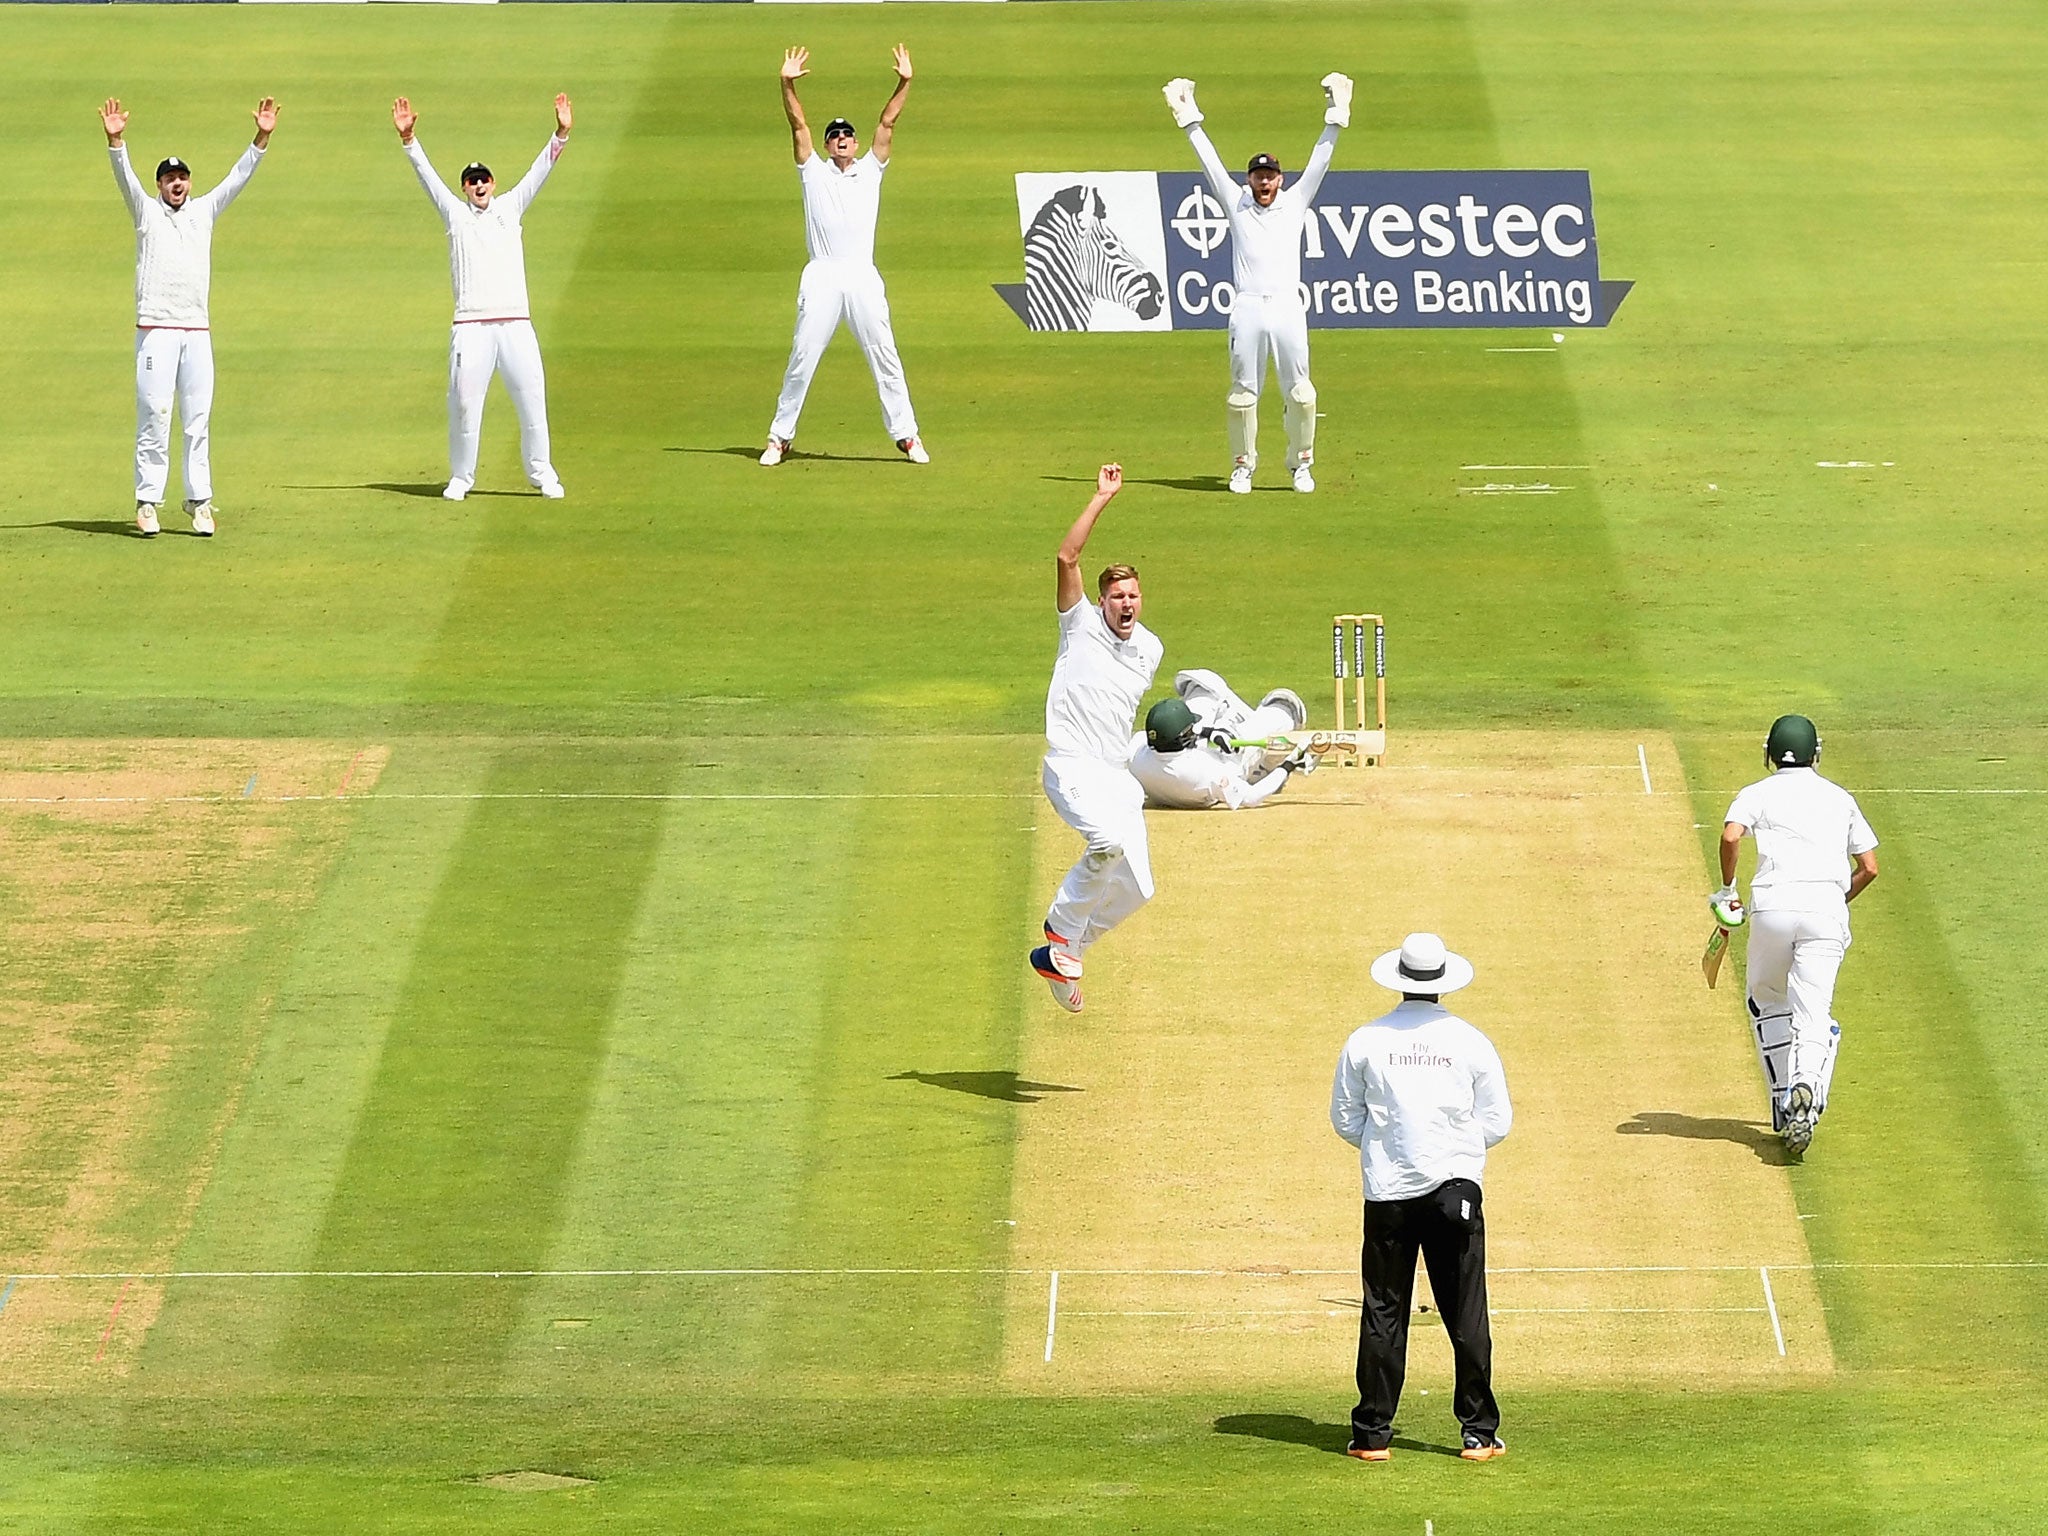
{"x":1357,"y":742}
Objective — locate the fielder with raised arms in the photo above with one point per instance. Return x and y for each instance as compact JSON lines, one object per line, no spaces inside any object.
{"x":173,"y":334}
{"x":1267,"y":319}
{"x":493,"y":330}
{"x":1814,"y":855}
{"x":842,"y":203}
{"x":1106,"y":662}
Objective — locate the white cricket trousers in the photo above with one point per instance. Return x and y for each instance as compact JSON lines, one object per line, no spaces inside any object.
{"x":1113,"y":878}
{"x":1270,"y":330}
{"x":476,"y":350}
{"x":832,"y":291}
{"x":173,"y":365}
{"x":1794,"y":958}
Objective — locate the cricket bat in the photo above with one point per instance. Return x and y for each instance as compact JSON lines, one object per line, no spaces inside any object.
{"x":1717,"y":950}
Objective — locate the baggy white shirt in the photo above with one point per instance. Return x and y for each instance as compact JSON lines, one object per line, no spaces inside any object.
{"x":841,"y":208}
{"x":174,"y":246}
{"x":1265,"y":243}
{"x":1421,"y":1094}
{"x":1098,"y":681}
{"x":1807,"y":831}
{"x":486,"y":247}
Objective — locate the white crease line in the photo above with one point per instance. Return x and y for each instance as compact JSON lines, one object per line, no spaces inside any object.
{"x":1513,"y":490}
{"x":1643,"y":758}
{"x":1521,"y":349}
{"x":1525,"y":466}
{"x":538,"y":794}
{"x":1777,"y":1332}
{"x":1052,"y":1313}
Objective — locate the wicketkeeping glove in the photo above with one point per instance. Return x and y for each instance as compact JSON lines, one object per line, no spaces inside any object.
{"x":1337,"y":93}
{"x":1180,"y":95}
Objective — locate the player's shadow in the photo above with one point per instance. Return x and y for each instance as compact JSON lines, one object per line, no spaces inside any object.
{"x":1005,"y":1085}
{"x":119,"y":529}
{"x":1182,"y":483}
{"x":1753,"y":1134}
{"x":794,"y":455}
{"x":1293,"y":1429}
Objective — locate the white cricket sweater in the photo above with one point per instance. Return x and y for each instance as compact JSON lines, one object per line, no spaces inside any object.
{"x":486,"y":248}
{"x":1265,"y":243}
{"x":1421,"y":1094}
{"x":174,"y":246}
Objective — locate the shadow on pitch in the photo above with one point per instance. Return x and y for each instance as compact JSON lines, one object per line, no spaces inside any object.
{"x":1185,"y":483}
{"x":1006,"y":1085}
{"x":123,"y":529}
{"x":1753,"y":1134}
{"x":426,"y":490}
{"x":796,"y":454}
{"x":1293,"y":1429}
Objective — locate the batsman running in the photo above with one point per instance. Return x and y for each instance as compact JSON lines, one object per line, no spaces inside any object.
{"x":1814,"y":855}
{"x":1267,"y":319}
{"x":1106,"y":661}
{"x":1188,"y":760}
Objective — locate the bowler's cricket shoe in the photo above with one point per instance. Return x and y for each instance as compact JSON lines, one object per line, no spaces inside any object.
{"x":145,"y":519}
{"x":776,"y":451}
{"x":202,"y":517}
{"x":913,"y":450}
{"x":1241,"y":480}
{"x":1480,"y":1447}
{"x":1304,"y":482}
{"x":1799,"y":1118}
{"x":1065,"y":957}
{"x":1051,"y":964}
{"x":457,"y":489}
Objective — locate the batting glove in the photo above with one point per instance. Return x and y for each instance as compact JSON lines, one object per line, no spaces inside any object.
{"x":1727,"y":905}
{"x":1337,"y":93}
{"x":1215,"y":736}
{"x":1301,"y":761}
{"x":1180,"y":96}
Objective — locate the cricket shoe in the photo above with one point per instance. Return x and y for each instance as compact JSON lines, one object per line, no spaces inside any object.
{"x":913,"y":450}
{"x":145,"y":519}
{"x":1799,"y":1118}
{"x":457,"y":489}
{"x":776,"y":451}
{"x":1053,"y":966}
{"x":1369,"y":1452}
{"x":1304,"y":482}
{"x":1241,"y":480}
{"x":551,"y":489}
{"x":1480,"y":1447}
{"x":202,"y":517}
{"x":1068,"y":958}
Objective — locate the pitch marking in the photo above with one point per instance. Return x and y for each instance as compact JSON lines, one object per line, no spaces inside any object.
{"x":1052,"y":1313}
{"x":1777,"y":1332}
{"x":1643,"y":761}
{"x":113,"y":1317}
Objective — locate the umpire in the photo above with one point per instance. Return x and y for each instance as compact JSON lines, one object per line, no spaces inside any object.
{"x":1421,"y":1094}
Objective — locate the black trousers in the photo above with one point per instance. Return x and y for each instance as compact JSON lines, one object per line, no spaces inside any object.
{"x":1448,"y":1227}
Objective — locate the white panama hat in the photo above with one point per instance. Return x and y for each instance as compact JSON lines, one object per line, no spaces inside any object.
{"x":1422,"y":965}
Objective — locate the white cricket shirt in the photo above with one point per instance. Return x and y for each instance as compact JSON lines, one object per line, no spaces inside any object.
{"x":1421,"y":1094}
{"x":1265,"y":243}
{"x":841,"y":207}
{"x":1197,"y":778}
{"x":486,"y":248}
{"x":1098,"y":682}
{"x":174,"y":246}
{"x":1807,"y":829}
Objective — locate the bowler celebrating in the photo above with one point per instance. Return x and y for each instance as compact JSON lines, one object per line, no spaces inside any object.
{"x":842,"y":201}
{"x":1267,"y":319}
{"x":173,"y":338}
{"x":493,"y":330}
{"x":1106,"y":662}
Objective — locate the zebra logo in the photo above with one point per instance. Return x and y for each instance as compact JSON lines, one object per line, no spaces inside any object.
{"x":1072,"y":257}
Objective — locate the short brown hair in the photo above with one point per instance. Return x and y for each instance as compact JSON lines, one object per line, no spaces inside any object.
{"x":1112,"y":574}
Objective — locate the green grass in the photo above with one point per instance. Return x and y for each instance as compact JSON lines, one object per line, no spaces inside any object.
{"x":684,"y":1033}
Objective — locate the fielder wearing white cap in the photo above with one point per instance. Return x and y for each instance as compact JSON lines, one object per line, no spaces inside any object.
{"x":1106,"y":662}
{"x":842,"y":204}
{"x":493,"y":330}
{"x":1267,"y":318}
{"x":1184,"y":757}
{"x":173,"y":334}
{"x":1421,"y":1094}
{"x":1814,"y":855}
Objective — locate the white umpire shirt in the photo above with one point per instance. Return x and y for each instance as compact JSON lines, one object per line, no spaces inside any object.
{"x":174,"y":246}
{"x":486,"y":247}
{"x":1098,"y":682}
{"x":1807,"y":829}
{"x":1265,"y":243}
{"x":841,"y":208}
{"x":1421,"y":1094}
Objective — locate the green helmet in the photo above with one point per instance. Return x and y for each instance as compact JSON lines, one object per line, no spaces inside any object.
{"x":1793,"y":743}
{"x":1170,"y":726}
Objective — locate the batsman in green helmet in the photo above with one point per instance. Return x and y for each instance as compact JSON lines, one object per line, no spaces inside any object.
{"x":1187,"y":762}
{"x":1815,"y":854}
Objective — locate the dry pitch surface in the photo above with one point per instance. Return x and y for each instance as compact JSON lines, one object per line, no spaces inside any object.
{"x":1204,"y":1218}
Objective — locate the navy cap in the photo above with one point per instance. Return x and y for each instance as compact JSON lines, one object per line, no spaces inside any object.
{"x":476,"y":170}
{"x":1262,"y":163}
{"x":838,"y":125}
{"x":174,"y":164}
